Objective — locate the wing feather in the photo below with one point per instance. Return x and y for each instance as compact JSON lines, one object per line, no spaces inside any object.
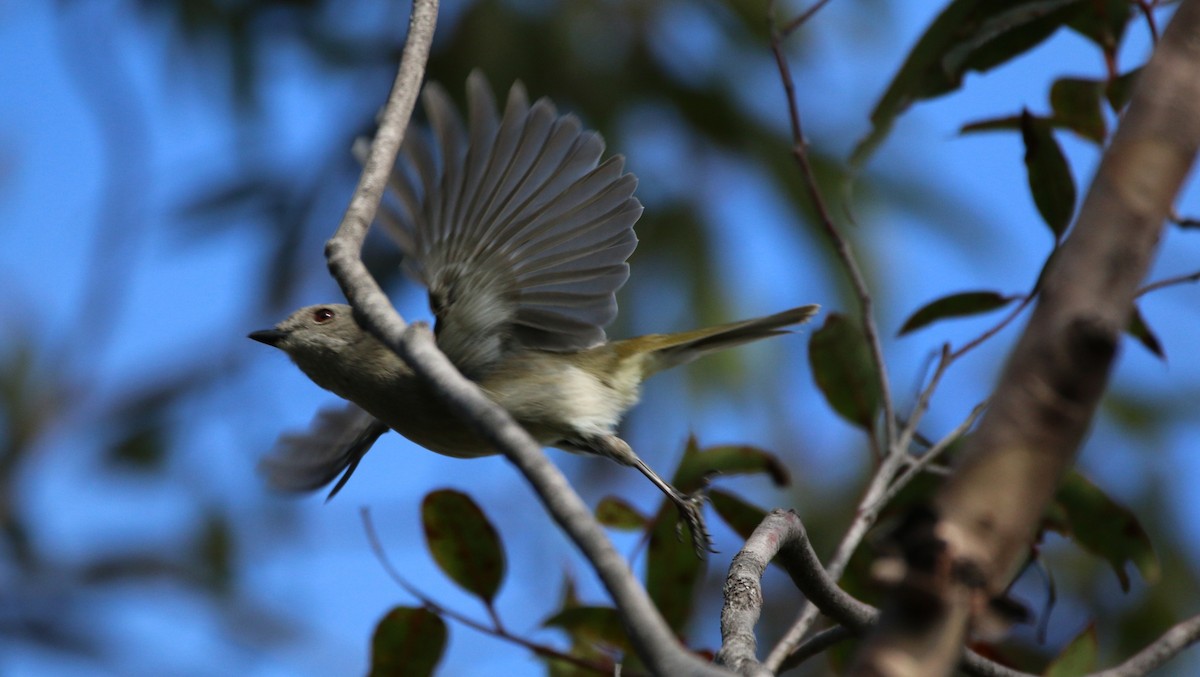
{"x":514,"y":224}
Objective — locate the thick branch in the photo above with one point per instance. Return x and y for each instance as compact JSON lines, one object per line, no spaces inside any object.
{"x":652,"y":638}
{"x":986,"y":514}
{"x":782,"y":535}
{"x":1155,"y":655}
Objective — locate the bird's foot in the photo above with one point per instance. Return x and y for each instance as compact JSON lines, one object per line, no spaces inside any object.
{"x":691,"y":512}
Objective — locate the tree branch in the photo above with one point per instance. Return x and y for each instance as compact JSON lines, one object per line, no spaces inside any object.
{"x":968,"y":548}
{"x":781,"y":534}
{"x":1155,"y":655}
{"x":651,"y":636}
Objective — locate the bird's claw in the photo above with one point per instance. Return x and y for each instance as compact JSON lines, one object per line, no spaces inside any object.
{"x":691,"y":512}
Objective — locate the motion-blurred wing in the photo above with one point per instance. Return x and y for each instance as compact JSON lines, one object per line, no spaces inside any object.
{"x":517,"y":229}
{"x":336,"y":442}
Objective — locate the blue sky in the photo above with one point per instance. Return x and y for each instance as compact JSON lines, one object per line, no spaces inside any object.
{"x":175,"y":292}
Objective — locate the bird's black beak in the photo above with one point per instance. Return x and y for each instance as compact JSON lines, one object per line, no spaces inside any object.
{"x":271,"y":337}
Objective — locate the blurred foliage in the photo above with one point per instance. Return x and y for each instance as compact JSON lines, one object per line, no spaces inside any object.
{"x":961,"y":304}
{"x":408,"y":641}
{"x":844,"y":371}
{"x":609,"y":62}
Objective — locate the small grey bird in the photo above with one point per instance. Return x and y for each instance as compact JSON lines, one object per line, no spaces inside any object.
{"x":521,"y":235}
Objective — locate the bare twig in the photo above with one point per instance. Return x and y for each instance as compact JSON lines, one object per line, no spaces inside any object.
{"x":909,"y":429}
{"x":840,"y":245}
{"x":652,"y":638}
{"x":995,"y":329}
{"x":928,"y":457}
{"x":1147,"y":10}
{"x":802,"y":18}
{"x":816,"y":644}
{"x":1169,"y":282}
{"x":782,"y":535}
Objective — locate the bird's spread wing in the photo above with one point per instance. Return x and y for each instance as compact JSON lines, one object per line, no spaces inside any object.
{"x":513,"y":223}
{"x":336,"y":442}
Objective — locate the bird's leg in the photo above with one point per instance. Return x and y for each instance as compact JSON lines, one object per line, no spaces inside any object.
{"x":690,"y":505}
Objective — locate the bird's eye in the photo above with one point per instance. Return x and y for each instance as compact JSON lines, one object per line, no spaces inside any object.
{"x":322,"y":315}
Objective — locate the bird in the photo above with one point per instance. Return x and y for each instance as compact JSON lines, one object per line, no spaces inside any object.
{"x":521,"y":235}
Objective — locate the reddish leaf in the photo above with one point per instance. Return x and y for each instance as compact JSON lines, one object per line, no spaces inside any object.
{"x":463,"y":542}
{"x":408,"y":641}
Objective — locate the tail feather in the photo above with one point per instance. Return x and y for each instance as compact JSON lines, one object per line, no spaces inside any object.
{"x":670,"y":350}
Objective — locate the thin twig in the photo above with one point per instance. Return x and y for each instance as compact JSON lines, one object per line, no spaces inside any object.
{"x":802,"y":18}
{"x":840,"y":245}
{"x":496,"y":630}
{"x":995,"y":329}
{"x":909,"y":429}
{"x":1147,"y":10}
{"x":890,"y":463}
{"x":1168,"y":282}
{"x":817,"y":643}
{"x":928,"y":457}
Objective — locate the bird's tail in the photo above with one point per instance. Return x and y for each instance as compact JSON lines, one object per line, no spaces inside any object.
{"x":669,"y":350}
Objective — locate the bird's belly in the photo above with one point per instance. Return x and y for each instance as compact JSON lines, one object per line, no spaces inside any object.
{"x":551,"y":398}
{"x":555,"y":399}
{"x":415,"y":412}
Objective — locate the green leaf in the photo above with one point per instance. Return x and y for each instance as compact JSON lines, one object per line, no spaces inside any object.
{"x":955,"y":305}
{"x":592,"y":624}
{"x":969,"y":35}
{"x":143,"y":447}
{"x":215,"y":551}
{"x":727,"y":461}
{"x":1141,"y":331}
{"x":1079,"y":656}
{"x":1120,"y":89}
{"x":741,"y":516}
{"x":1104,"y":23}
{"x":844,"y":371}
{"x":463,"y":542}
{"x":672,"y":569}
{"x":592,"y":636}
{"x":1006,"y":123}
{"x":1103,"y":527}
{"x":408,"y":642}
{"x":1077,"y":105}
{"x":1050,"y":180}
{"x":617,"y":514}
